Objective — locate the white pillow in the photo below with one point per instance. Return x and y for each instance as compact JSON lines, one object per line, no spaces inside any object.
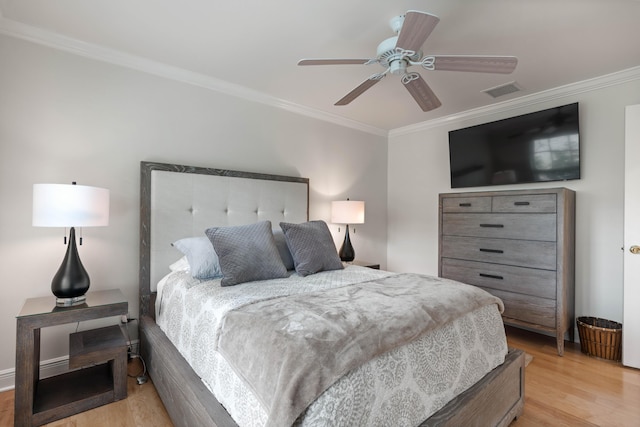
{"x":180,"y":265}
{"x":203,"y":260}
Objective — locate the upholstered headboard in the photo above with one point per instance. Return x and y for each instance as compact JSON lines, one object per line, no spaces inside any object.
{"x":182,"y":201}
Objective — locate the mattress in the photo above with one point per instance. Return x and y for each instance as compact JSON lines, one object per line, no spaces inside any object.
{"x":401,"y":387}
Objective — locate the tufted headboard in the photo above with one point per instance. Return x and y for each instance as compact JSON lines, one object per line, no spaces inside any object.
{"x":182,"y":201}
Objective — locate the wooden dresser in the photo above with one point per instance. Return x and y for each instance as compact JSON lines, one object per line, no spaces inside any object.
{"x":519,"y":245}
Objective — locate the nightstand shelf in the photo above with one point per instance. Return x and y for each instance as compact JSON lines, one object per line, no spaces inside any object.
{"x":100,"y":354}
{"x":72,"y":392}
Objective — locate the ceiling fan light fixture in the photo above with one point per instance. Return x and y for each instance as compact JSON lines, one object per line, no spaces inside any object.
{"x":398,"y":67}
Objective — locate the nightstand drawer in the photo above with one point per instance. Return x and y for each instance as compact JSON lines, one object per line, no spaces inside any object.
{"x":501,"y":226}
{"x":523,"y":253}
{"x":527,"y":281}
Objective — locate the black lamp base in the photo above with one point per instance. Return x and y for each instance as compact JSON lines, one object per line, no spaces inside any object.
{"x":71,"y":281}
{"x":347,"y":253}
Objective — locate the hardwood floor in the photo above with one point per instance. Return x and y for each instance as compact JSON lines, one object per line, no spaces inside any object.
{"x":575,"y":390}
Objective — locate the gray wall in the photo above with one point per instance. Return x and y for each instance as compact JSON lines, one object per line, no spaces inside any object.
{"x":66,"y":118}
{"x":419,"y":171}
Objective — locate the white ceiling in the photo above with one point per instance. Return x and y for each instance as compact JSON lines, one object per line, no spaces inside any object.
{"x":251,"y":47}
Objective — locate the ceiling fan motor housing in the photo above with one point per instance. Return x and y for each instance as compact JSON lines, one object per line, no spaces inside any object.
{"x":394,"y":59}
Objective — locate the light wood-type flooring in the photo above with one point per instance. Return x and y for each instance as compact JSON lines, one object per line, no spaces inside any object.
{"x":575,"y":390}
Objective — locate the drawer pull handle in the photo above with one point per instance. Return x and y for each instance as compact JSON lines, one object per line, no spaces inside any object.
{"x":491,"y":276}
{"x":493,"y":251}
{"x":521,"y":203}
{"x":492,"y":225}
{"x":464,"y":205}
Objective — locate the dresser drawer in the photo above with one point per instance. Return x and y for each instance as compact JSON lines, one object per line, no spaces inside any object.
{"x":527,"y":281}
{"x":523,"y":253}
{"x":466,"y":204}
{"x":539,"y":311}
{"x":501,"y":226}
{"x":532,"y":203}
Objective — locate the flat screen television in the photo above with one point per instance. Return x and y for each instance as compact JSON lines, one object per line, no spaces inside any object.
{"x":536,"y":147}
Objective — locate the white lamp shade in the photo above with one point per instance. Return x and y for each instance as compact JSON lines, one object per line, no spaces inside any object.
{"x":66,"y":205}
{"x":347,"y":212}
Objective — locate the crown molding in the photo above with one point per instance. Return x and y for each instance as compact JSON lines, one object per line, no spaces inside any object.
{"x":572,"y":89}
{"x":89,"y":50}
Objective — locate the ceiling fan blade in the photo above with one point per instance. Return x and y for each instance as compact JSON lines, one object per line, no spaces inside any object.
{"x":332,"y":61}
{"x":416,"y":28}
{"x":479,"y":64}
{"x":421,"y":92}
{"x":360,"y":89}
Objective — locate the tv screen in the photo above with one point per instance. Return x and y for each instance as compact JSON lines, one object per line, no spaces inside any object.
{"x":536,"y":147}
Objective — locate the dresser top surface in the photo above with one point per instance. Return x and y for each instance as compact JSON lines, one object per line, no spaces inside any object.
{"x":554,"y":190}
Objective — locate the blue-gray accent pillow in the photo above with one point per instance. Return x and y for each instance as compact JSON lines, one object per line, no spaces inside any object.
{"x":311,"y":247}
{"x":203,"y":261}
{"x":281,"y":244}
{"x":246,"y":253}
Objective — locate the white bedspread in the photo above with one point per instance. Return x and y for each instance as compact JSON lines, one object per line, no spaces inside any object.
{"x":402,"y":387}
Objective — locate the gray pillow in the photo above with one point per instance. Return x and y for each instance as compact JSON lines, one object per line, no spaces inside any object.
{"x":281,"y":244}
{"x":311,"y":247}
{"x":203,"y":261}
{"x":246,"y":253}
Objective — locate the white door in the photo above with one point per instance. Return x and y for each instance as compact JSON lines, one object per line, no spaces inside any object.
{"x":631,"y":321}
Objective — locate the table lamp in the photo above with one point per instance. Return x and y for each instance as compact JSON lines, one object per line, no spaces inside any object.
{"x":347,"y":212}
{"x":70,"y":206}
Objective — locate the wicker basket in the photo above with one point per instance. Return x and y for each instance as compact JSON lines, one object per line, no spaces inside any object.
{"x":600,"y":337}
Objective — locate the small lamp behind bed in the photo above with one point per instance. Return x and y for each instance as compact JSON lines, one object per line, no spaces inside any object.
{"x":62,"y":205}
{"x":347,"y":212}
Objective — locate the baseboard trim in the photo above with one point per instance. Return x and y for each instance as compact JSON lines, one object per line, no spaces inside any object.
{"x":48,"y":368}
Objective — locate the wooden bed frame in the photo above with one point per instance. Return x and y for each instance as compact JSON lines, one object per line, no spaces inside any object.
{"x":495,"y":400}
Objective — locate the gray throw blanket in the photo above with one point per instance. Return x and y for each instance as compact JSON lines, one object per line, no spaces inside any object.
{"x":291,"y":349}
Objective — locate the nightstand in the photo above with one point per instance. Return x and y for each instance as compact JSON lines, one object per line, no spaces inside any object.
{"x":365,"y":264}
{"x":101,"y":353}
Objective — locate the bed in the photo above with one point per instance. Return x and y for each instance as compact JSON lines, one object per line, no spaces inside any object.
{"x":179,"y":201}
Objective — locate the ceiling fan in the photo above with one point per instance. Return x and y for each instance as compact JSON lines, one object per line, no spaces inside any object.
{"x":402,"y":51}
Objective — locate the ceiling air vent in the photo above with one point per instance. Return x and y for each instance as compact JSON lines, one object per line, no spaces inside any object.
{"x":502,"y":90}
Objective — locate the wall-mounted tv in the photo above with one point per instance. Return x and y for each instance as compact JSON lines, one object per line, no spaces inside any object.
{"x":536,"y":147}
